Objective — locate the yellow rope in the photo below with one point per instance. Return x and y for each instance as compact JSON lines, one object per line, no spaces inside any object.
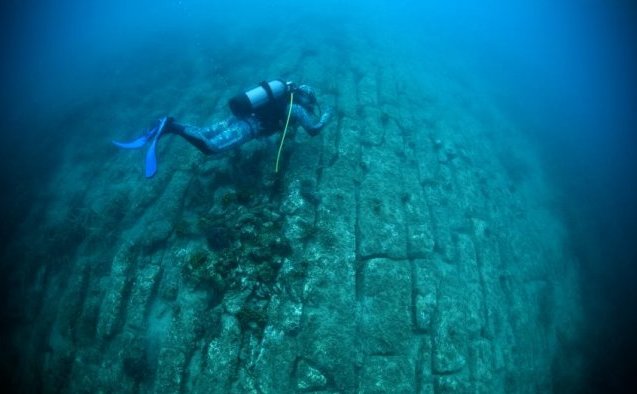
{"x":278,"y":156}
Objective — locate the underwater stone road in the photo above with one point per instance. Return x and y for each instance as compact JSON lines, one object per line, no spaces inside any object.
{"x":440,"y":279}
{"x":406,"y":251}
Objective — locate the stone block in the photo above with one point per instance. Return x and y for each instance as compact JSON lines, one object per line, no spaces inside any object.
{"x":381,"y":219}
{"x":170,"y":370}
{"x":384,"y":374}
{"x":143,"y":285}
{"x":385,"y":307}
{"x":110,"y":315}
{"x":328,"y":342}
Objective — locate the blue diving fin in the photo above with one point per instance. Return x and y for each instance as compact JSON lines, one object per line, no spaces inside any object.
{"x":139,"y":142}
{"x":151,"y":156}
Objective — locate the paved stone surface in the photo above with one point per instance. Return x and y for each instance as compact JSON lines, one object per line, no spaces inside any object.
{"x":409,"y":248}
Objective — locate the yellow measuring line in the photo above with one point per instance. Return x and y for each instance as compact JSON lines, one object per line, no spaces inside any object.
{"x":278,"y":156}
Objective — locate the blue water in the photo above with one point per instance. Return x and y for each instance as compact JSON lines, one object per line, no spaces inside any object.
{"x":78,"y":74}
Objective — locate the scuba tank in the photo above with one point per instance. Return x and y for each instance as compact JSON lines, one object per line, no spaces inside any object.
{"x":266,"y":96}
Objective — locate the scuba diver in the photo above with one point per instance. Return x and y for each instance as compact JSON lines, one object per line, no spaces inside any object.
{"x":259,"y":112}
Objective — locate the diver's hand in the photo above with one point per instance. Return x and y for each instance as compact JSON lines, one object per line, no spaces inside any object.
{"x":327,"y":116}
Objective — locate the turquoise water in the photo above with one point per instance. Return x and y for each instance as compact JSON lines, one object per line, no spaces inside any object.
{"x":465,"y":223}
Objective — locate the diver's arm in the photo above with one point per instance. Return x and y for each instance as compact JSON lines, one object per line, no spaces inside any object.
{"x":308,"y":121}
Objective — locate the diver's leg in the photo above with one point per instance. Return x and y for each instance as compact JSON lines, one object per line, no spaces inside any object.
{"x":220,"y":136}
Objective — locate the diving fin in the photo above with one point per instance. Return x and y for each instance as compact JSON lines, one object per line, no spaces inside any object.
{"x":151,"y":160}
{"x":139,"y":142}
{"x":151,"y":156}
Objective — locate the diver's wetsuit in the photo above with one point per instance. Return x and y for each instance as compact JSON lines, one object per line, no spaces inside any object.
{"x":259,"y":112}
{"x":234,"y":131}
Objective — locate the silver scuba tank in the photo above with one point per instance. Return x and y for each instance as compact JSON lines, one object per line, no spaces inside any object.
{"x":266,"y":94}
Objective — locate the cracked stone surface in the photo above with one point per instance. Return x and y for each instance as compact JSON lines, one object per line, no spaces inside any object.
{"x":406,"y":249}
